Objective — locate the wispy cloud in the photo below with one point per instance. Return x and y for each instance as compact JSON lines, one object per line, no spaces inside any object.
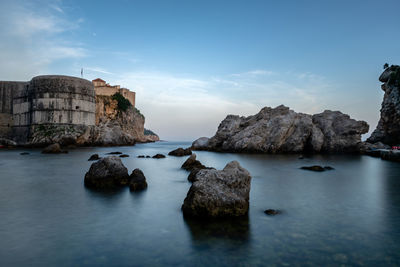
{"x":97,"y":70}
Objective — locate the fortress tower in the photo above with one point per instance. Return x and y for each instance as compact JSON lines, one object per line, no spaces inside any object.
{"x":103,"y":88}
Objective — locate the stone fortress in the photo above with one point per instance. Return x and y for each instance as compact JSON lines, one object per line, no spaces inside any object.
{"x":53,"y":100}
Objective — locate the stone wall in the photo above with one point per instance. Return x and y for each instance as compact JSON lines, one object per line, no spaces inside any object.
{"x":102,"y":88}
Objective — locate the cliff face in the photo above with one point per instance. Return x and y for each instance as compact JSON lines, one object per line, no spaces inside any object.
{"x":113,"y":127}
{"x":281,"y":130}
{"x":388,"y":129}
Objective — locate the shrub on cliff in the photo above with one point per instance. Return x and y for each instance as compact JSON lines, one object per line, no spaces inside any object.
{"x":123,"y":103}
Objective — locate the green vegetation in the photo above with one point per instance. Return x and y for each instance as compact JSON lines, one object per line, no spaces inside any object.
{"x":149,"y":132}
{"x":123,"y":103}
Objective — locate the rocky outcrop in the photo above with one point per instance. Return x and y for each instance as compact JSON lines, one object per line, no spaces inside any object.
{"x":180,"y":152}
{"x":53,"y":149}
{"x":281,"y":130}
{"x":217,"y":194}
{"x":388,"y":129}
{"x":192,"y":163}
{"x":107,"y":173}
{"x":138,"y":181}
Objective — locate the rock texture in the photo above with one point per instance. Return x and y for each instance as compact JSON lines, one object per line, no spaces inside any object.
{"x":388,"y":129}
{"x":53,"y":149}
{"x":217,"y":193}
{"x":281,"y":130}
{"x":107,"y":173}
{"x":192,"y":163}
{"x":180,"y":152}
{"x":138,"y":180}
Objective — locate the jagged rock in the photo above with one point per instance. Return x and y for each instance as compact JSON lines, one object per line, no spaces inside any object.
{"x":193,"y":173}
{"x":388,"y":128}
{"x":317,"y":168}
{"x":281,"y":130}
{"x":201,"y":143}
{"x":138,"y":180}
{"x":158,"y":156}
{"x":192,"y":163}
{"x":94,"y":157}
{"x":124,"y":156}
{"x":53,"y":149}
{"x":272,"y":212}
{"x":217,"y":193}
{"x":180,"y":152}
{"x":107,"y":173}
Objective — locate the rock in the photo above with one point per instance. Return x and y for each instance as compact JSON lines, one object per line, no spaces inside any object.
{"x":191,"y":163}
{"x":148,"y":157}
{"x":388,"y":128}
{"x":193,"y":173}
{"x":138,"y":180}
{"x":94,"y":157}
{"x":7,"y":142}
{"x":392,"y":155}
{"x":272,"y":212}
{"x":24,"y":153}
{"x":317,"y":168}
{"x":217,"y":193}
{"x":114,"y":153}
{"x":281,"y":130}
{"x":140,"y":156}
{"x":107,"y":173}
{"x":124,"y":156}
{"x":179,"y":152}
{"x":158,"y":156}
{"x":53,"y":149}
{"x":201,"y":143}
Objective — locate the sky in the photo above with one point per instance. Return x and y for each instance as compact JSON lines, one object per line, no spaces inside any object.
{"x":191,"y":63}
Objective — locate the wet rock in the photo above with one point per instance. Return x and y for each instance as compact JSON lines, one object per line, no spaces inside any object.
{"x":53,"y":149}
{"x":138,"y":180}
{"x":191,"y":163}
{"x":219,"y":193}
{"x":201,"y":143}
{"x":114,"y":153}
{"x":316,"y":168}
{"x":192,"y":176}
{"x":24,"y":153}
{"x":107,"y":173}
{"x":180,"y":152}
{"x":272,"y":212}
{"x":124,"y":156}
{"x":158,"y":156}
{"x":94,"y":157}
{"x":147,"y":157}
{"x":141,"y":156}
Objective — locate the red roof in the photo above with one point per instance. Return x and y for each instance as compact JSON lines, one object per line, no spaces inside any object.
{"x":98,"y":80}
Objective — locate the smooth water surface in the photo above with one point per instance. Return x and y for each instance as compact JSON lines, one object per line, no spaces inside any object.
{"x":348,"y":216}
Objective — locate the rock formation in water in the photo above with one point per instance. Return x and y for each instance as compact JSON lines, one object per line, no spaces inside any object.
{"x":216,"y":193}
{"x":281,"y":130}
{"x":388,"y":129}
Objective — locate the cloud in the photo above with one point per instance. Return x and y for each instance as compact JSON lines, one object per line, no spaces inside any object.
{"x":32,"y":38}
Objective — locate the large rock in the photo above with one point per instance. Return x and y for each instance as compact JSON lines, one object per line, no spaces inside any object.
{"x":107,"y":173}
{"x":388,"y":128}
{"x":281,"y":130}
{"x":217,"y":193}
{"x":138,"y":180}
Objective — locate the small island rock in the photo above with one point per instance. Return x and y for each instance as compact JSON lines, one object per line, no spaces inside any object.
{"x":192,"y":163}
{"x":158,"y":156}
{"x":219,"y":193}
{"x":94,"y":157}
{"x":107,"y":173}
{"x":53,"y":149}
{"x":180,"y":152}
{"x":138,"y":180}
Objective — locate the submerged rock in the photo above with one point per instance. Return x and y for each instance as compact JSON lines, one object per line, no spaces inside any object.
{"x":272,"y":212}
{"x":317,"y":168}
{"x":124,"y":156}
{"x":281,"y":130}
{"x":114,"y":153}
{"x":94,"y":157}
{"x":138,"y":180}
{"x":180,"y":152}
{"x":158,"y":156}
{"x":24,"y":153}
{"x":53,"y":149}
{"x":219,"y":193}
{"x":192,"y":163}
{"x":141,"y":156}
{"x":107,"y":173}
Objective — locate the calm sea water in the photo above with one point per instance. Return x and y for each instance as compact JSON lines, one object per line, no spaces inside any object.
{"x":348,"y":216}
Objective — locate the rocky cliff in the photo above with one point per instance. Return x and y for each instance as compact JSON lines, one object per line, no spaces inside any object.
{"x":388,"y":129}
{"x":281,"y":130}
{"x":113,"y":127}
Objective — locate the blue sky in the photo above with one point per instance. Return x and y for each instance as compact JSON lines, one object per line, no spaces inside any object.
{"x":193,"y":62}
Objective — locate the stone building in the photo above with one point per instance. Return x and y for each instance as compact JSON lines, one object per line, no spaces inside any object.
{"x":103,"y":88}
{"x":45,"y":100}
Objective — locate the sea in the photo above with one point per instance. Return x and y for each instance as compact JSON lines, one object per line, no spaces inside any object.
{"x":349,"y":216}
